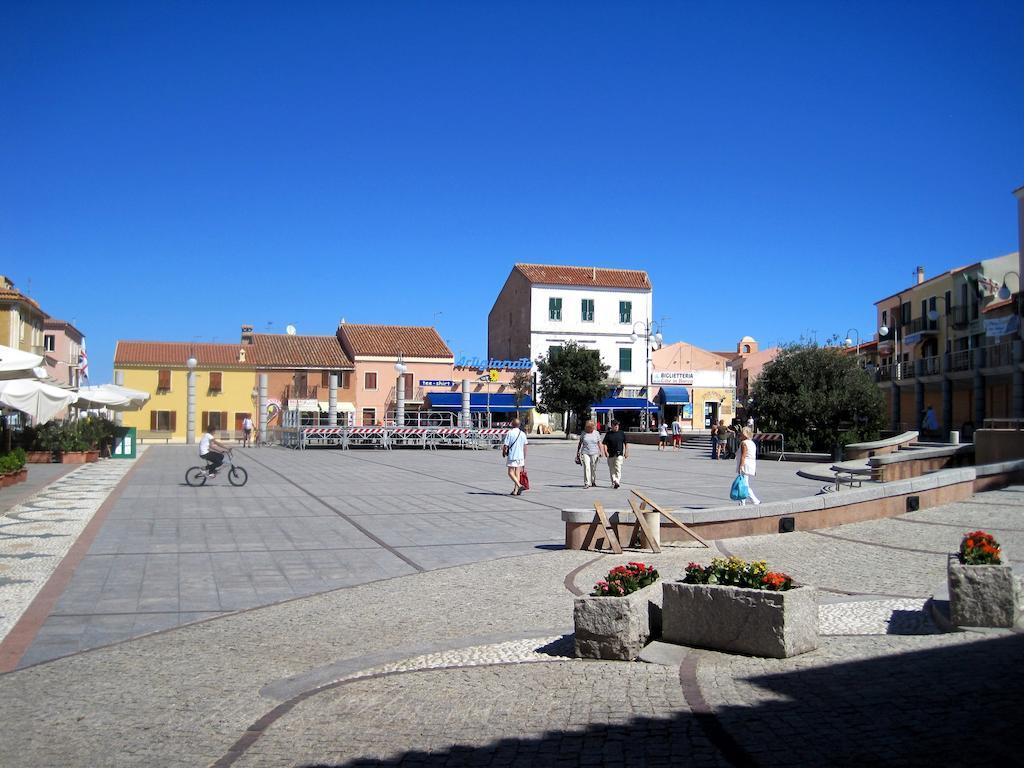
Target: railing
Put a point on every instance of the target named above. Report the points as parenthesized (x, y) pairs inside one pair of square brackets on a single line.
[(885, 372), (962, 360), (918, 325), (929, 366), (999, 355), (301, 393), (959, 318)]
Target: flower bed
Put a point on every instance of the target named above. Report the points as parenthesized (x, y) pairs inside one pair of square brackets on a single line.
[(982, 590), (615, 621), (740, 607)]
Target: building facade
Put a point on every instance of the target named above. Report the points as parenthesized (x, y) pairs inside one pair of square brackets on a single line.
[(693, 383), (62, 348), (21, 320)]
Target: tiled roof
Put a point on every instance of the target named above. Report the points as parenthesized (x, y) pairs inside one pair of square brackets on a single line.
[(10, 294), (392, 340), (585, 276), (175, 353), (284, 351)]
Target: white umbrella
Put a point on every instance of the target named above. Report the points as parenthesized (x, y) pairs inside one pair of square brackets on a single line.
[(40, 401), (15, 364), (111, 397)]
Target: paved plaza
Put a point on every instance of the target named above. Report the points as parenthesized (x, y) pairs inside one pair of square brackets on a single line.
[(403, 610)]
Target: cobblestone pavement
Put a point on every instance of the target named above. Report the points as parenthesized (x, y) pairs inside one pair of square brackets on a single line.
[(465, 665), (315, 520)]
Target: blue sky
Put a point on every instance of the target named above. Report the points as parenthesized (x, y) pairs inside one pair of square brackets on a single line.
[(174, 170)]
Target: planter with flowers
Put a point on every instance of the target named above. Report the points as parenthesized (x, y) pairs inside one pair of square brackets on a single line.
[(615, 621), (740, 607), (982, 589)]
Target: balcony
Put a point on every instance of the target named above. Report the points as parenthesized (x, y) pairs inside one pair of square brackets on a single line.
[(929, 366), (919, 325), (959, 317), (962, 360), (998, 355)]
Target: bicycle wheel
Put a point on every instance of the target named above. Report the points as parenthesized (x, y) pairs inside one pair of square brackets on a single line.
[(237, 476), (195, 476)]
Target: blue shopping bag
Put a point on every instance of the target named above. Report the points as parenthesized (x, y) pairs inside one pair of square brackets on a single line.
[(740, 488)]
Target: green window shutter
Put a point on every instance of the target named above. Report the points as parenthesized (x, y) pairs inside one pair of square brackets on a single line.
[(625, 359), (625, 311)]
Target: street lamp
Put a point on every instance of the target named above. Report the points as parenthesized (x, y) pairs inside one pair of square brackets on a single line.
[(634, 336), (190, 435), (849, 341), (400, 369), (1004, 292)]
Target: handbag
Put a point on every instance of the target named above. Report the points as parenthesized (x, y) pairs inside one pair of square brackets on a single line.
[(579, 447), (524, 479), (740, 488)]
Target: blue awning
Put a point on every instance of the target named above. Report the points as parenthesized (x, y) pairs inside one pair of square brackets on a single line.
[(478, 402), (624, 404), (674, 395)]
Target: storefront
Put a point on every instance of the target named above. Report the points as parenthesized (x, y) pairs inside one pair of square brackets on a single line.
[(675, 402), (631, 412), (485, 409)]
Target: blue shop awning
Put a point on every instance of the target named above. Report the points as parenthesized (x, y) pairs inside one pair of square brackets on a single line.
[(478, 402), (624, 404), (674, 395)]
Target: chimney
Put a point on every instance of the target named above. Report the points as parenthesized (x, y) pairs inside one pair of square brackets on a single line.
[(920, 275), (247, 334), (593, 277)]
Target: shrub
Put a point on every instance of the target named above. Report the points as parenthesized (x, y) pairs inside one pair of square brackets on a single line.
[(624, 579), (980, 548), (734, 572)]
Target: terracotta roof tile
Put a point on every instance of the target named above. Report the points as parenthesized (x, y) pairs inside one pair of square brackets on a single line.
[(10, 294), (392, 340), (175, 353), (284, 351), (585, 276)]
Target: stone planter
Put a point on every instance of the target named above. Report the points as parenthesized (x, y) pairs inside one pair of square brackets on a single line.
[(757, 622), (73, 457), (981, 595), (39, 457), (21, 475), (6, 480), (92, 456), (617, 627)]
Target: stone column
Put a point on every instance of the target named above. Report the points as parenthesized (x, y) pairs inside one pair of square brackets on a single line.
[(332, 401), (918, 401), (190, 433), (947, 405), (400, 401), (895, 406), (1017, 401), (979, 399), (262, 403), (466, 419)]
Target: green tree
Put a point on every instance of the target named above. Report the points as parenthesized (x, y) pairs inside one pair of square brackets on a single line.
[(521, 385), (571, 381), (818, 397)]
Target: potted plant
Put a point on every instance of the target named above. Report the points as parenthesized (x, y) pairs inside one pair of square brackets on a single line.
[(73, 445), (982, 589), (40, 443), (615, 620), (741, 607), (20, 473)]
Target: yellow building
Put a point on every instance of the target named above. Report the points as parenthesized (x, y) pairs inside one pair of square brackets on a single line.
[(225, 384), (21, 320)]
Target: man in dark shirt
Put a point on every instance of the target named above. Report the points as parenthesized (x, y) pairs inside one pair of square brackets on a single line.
[(616, 449)]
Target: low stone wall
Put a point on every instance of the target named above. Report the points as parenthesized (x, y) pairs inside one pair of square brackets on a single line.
[(870, 502), (921, 461), (995, 445), (879, 447)]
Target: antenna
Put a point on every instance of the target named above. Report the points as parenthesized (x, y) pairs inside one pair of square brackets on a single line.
[(290, 329)]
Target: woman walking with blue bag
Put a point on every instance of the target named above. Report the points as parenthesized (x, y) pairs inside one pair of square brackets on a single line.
[(746, 466)]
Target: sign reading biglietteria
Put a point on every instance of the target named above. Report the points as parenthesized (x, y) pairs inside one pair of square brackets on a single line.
[(483, 364), (672, 377)]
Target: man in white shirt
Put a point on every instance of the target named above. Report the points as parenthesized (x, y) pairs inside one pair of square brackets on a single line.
[(212, 449)]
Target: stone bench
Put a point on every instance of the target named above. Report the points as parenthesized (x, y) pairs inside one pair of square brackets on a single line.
[(154, 435), (880, 447), (920, 461)]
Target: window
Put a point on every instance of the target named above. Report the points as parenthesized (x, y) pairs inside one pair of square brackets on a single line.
[(949, 302), (163, 383), (933, 307), (325, 379), (369, 380), (553, 352), (369, 417), (746, 349), (905, 313), (215, 421), (49, 342), (344, 382), (625, 311), (555, 309), (625, 359), (885, 317), (587, 310), (163, 421), (215, 381), (408, 377)]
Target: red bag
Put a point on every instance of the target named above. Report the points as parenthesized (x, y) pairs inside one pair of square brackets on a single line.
[(524, 479)]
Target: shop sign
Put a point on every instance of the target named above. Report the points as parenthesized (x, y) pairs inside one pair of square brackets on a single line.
[(436, 383), (1001, 326), (913, 338), (483, 364), (688, 411), (672, 377)]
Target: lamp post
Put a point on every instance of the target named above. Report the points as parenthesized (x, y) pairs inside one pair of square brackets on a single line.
[(400, 369), (634, 336), (190, 434), (849, 341), (1004, 292)]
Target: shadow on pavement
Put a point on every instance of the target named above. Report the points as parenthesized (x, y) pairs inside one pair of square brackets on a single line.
[(955, 705)]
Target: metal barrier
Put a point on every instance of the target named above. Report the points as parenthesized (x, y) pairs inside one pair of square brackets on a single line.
[(427, 438), (773, 442)]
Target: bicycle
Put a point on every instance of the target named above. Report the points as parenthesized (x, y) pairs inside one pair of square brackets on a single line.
[(197, 476)]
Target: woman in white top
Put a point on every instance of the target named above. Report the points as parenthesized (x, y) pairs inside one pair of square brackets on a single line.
[(515, 455), (588, 452), (746, 461)]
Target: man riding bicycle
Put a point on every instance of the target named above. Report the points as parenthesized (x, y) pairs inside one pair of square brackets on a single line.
[(212, 449)]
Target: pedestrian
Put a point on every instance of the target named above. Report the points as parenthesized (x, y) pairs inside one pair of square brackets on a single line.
[(677, 432), (617, 451), (662, 436), (514, 451), (929, 423), (246, 430), (714, 441), (746, 462), (588, 452)]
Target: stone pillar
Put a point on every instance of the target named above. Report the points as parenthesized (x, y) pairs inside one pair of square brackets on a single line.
[(263, 408), (119, 380), (979, 399), (1017, 393), (895, 406), (400, 401), (332, 401), (947, 405), (918, 401), (467, 419), (190, 433)]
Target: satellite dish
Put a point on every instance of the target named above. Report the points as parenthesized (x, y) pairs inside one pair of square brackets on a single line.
[(290, 329)]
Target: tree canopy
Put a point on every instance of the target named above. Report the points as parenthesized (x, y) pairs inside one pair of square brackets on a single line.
[(571, 380), (818, 398)]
